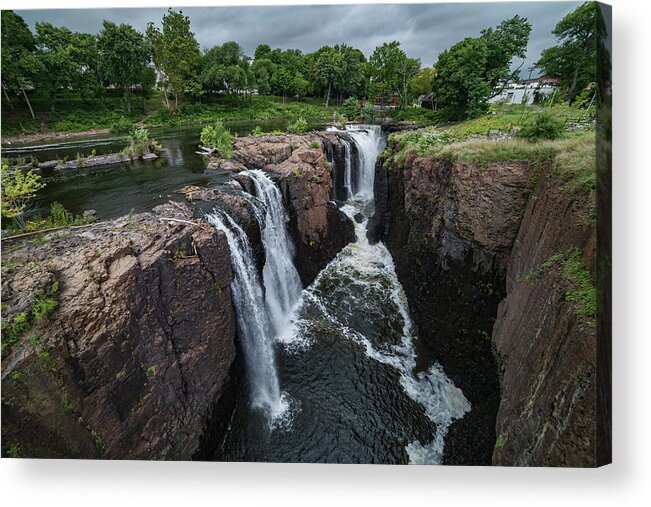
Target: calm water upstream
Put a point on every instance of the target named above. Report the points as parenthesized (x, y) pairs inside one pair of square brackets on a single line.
[(113, 191)]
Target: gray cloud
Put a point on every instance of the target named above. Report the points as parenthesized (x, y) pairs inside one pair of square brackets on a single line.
[(424, 30)]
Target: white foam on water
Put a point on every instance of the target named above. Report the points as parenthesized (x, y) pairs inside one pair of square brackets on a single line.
[(373, 265)]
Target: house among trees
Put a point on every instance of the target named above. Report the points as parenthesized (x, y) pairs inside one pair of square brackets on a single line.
[(526, 91), (380, 102)]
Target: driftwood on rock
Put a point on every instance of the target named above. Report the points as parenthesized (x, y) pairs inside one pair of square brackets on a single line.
[(208, 152)]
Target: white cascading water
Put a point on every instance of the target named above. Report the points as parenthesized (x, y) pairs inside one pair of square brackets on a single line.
[(348, 170), (372, 266), (281, 281), (369, 142), (255, 326)]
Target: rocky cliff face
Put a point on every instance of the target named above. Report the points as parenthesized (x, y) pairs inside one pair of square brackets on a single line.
[(130, 339), (544, 333), (304, 176), (470, 244)]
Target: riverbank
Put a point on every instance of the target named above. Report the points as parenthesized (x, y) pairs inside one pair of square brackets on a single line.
[(74, 118)]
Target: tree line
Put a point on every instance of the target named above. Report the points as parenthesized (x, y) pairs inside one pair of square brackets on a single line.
[(54, 62)]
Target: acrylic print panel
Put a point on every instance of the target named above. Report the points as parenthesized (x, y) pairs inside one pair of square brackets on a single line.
[(283, 245)]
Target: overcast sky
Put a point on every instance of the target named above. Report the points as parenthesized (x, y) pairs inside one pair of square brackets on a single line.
[(424, 30)]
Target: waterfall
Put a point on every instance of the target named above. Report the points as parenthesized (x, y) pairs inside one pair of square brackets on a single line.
[(348, 170), (281, 281), (370, 285), (369, 142), (254, 324)]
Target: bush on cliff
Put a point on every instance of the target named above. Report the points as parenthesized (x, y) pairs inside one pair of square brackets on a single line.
[(218, 137), (543, 127)]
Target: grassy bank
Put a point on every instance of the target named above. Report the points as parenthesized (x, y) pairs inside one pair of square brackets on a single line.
[(573, 154), (77, 115)]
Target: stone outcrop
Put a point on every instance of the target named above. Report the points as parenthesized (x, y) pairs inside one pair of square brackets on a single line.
[(304, 175), (130, 340), (472, 246)]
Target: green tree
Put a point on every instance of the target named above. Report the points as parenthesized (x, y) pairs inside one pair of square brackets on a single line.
[(300, 85), (226, 68), (263, 51), (56, 68), (391, 71), (263, 70), (354, 79), (282, 81), (573, 61), (328, 69), (421, 83), (18, 191), (91, 77), (470, 72), (19, 65), (175, 52), (125, 54)]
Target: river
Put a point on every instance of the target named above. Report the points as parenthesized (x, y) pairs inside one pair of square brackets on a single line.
[(339, 381), (330, 370)]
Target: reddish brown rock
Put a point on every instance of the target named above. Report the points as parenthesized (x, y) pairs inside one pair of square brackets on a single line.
[(132, 361), (482, 253), (546, 348), (319, 229)]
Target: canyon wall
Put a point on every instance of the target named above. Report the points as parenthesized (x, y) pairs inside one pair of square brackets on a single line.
[(483, 251)]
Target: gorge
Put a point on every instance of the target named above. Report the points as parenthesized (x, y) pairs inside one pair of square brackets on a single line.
[(320, 308)]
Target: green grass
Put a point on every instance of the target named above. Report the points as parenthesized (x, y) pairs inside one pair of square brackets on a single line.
[(577, 167), (503, 119), (76, 115), (574, 155), (584, 292)]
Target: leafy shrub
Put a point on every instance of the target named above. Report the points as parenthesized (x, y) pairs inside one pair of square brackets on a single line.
[(14, 329), (219, 137), (430, 138), (18, 191), (121, 126), (59, 217), (314, 145), (418, 114), (544, 126), (297, 127), (44, 306), (257, 131), (139, 135), (350, 108), (368, 112)]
